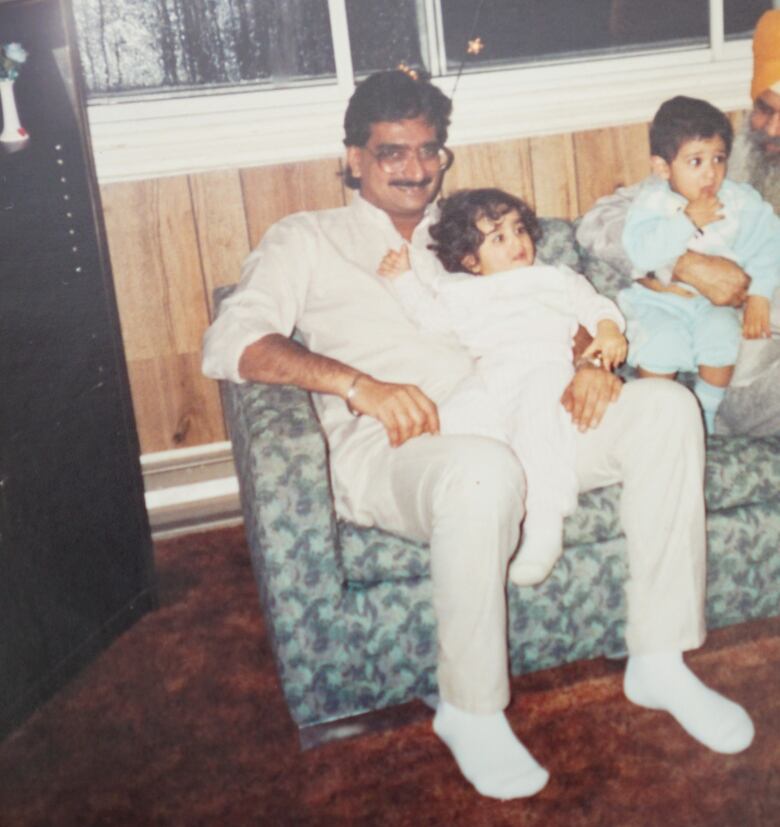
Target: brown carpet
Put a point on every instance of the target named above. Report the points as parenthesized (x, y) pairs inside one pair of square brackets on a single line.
[(181, 722)]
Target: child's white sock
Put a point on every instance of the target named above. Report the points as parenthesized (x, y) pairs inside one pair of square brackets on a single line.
[(710, 397), (663, 681), (540, 548), (488, 753)]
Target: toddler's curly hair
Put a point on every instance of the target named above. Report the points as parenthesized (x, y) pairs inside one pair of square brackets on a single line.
[(456, 235)]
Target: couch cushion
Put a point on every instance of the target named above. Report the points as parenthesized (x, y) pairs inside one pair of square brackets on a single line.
[(370, 555), (742, 470), (607, 280)]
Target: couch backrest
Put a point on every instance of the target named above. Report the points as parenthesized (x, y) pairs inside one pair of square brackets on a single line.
[(558, 244)]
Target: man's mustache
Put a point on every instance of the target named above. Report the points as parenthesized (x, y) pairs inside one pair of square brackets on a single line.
[(422, 183), (764, 140)]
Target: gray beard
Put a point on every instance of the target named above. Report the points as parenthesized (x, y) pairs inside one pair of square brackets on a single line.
[(749, 162)]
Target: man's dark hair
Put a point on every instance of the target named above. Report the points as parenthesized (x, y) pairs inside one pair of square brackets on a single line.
[(393, 96), (456, 234), (682, 119)]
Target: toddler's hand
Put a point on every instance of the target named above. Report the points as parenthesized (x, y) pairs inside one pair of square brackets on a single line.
[(394, 263), (755, 324), (609, 343), (704, 210)]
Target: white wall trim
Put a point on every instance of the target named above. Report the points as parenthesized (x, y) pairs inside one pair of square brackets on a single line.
[(149, 137), (189, 489), (177, 458)]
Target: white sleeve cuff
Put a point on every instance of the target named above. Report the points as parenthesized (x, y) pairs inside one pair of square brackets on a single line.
[(223, 348)]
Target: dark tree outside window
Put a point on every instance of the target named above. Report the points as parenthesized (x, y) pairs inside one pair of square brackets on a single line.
[(127, 45), (382, 35), (141, 46)]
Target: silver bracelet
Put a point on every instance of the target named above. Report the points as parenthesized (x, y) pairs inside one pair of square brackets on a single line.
[(589, 361), (351, 394)]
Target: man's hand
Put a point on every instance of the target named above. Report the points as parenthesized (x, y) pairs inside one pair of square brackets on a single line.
[(609, 343), (588, 394), (755, 324), (718, 279), (404, 410)]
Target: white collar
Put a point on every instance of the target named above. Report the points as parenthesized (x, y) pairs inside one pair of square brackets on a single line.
[(366, 210)]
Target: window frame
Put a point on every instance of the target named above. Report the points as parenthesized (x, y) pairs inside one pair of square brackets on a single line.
[(153, 135)]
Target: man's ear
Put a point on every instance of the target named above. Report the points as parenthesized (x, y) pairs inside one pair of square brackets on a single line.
[(354, 158), (659, 167), (471, 263)]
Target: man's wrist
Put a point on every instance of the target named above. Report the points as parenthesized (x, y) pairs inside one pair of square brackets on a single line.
[(588, 362), (351, 394)]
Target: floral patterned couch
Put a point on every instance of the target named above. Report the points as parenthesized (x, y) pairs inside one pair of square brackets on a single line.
[(348, 609)]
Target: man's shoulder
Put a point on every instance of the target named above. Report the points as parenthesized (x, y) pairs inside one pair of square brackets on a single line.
[(305, 225), (311, 218)]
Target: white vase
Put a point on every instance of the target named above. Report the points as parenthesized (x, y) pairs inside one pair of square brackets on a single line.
[(13, 132)]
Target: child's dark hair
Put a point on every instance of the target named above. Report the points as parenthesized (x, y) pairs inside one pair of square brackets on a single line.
[(456, 234), (682, 119)]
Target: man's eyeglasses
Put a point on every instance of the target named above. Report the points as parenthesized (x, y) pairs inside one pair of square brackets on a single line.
[(393, 158)]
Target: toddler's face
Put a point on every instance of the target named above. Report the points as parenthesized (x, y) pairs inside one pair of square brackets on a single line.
[(698, 169), (507, 245)]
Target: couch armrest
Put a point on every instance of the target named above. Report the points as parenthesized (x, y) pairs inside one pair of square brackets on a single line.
[(282, 466), (281, 462)]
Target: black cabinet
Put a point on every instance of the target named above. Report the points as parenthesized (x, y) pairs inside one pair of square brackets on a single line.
[(75, 549)]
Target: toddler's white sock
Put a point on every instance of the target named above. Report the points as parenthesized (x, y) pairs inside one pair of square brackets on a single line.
[(663, 681), (488, 753), (540, 548)]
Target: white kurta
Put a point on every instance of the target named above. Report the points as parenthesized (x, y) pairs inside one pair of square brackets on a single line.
[(316, 271)]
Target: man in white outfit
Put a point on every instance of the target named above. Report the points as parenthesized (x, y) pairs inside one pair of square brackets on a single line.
[(377, 380)]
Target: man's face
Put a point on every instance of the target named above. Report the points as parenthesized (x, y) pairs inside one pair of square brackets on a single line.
[(765, 122), (697, 170), (401, 188)]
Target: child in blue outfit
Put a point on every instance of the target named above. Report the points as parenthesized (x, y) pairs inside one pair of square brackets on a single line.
[(688, 205)]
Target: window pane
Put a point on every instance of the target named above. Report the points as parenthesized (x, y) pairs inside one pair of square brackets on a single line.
[(129, 45), (528, 30), (382, 35), (740, 16)]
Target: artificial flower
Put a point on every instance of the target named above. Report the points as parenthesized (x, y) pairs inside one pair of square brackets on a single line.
[(12, 56)]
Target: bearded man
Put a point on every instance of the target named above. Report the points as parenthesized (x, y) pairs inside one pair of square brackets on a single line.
[(752, 401), (755, 156)]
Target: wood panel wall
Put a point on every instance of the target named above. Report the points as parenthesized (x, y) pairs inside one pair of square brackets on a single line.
[(172, 240)]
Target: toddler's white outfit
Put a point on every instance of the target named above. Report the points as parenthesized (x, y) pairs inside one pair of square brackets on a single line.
[(518, 326)]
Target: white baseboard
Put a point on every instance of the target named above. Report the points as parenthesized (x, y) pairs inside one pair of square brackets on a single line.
[(191, 489)]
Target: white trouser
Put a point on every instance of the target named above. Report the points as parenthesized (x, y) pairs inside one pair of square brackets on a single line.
[(522, 408), (465, 494)]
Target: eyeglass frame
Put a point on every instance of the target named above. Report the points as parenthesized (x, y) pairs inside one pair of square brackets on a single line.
[(397, 166)]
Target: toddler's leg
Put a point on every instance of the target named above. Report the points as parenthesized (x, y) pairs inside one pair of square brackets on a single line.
[(710, 388), (717, 334), (540, 547)]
